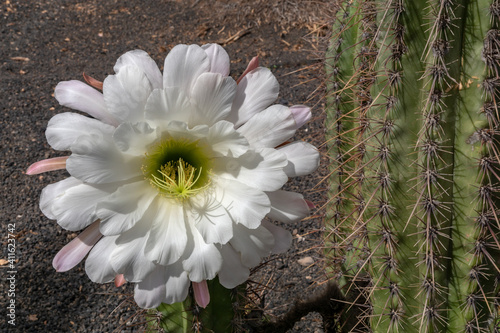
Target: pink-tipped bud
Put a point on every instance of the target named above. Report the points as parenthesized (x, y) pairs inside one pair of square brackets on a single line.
[(93, 82), (74, 252), (50, 164), (201, 293), (253, 64), (310, 204), (119, 280)]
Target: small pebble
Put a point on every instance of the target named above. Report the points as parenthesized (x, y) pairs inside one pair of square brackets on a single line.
[(306, 261)]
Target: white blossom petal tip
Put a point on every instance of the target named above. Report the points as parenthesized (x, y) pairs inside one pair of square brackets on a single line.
[(301, 114), (303, 158), (179, 170), (79, 96), (219, 59)]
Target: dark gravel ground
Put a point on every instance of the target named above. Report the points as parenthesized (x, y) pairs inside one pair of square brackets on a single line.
[(46, 41)]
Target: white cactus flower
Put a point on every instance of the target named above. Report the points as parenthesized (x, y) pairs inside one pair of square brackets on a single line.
[(172, 176)]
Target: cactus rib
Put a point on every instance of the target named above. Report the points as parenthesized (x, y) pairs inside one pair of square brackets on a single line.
[(412, 122)]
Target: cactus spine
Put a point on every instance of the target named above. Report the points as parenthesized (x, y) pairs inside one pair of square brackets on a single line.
[(412, 125)]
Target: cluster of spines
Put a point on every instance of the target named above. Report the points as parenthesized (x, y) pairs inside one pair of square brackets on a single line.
[(337, 89), (385, 274), (485, 268), (364, 236), (383, 266), (369, 155), (343, 249), (431, 213)]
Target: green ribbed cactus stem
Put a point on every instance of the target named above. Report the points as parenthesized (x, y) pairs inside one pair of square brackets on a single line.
[(413, 222), (221, 314)]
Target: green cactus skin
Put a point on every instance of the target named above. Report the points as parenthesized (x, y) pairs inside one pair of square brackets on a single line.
[(220, 314), (413, 227)]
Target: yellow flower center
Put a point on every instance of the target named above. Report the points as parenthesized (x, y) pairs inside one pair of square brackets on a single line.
[(178, 180), (178, 169)]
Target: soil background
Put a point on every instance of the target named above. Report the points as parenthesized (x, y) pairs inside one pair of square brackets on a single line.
[(43, 42)]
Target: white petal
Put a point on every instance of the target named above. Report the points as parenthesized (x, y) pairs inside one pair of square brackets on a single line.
[(183, 65), (97, 265), (225, 140), (177, 286), (253, 244), (121, 210), (205, 260), (74, 252), (303, 158), (256, 91), (126, 93), (65, 128), (180, 130), (260, 168), (287, 206), (168, 237), (151, 292), (213, 95), (134, 139), (219, 59), (74, 205), (270, 127), (97, 160), (141, 59), (164, 285), (165, 105), (211, 219), (282, 237), (248, 209), (233, 272), (79, 96), (51, 192), (128, 258)]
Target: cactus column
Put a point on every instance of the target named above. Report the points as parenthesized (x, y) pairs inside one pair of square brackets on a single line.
[(413, 226)]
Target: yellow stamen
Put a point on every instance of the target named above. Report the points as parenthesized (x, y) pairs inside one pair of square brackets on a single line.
[(179, 179)]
